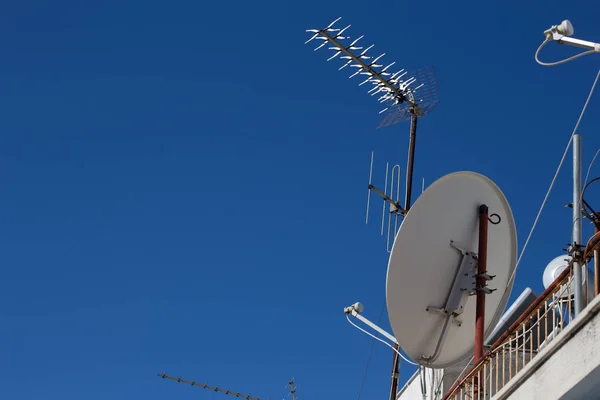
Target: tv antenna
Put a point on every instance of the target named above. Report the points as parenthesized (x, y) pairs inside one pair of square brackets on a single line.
[(404, 96), (213, 388), (292, 387)]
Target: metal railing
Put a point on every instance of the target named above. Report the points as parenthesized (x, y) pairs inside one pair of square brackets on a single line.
[(534, 330)]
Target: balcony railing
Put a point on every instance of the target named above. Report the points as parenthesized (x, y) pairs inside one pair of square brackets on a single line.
[(538, 326)]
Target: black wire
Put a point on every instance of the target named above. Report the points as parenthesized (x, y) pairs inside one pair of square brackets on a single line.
[(362, 384), (587, 214), (586, 207)]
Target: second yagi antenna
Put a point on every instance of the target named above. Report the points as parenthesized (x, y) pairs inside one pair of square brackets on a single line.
[(391, 209)]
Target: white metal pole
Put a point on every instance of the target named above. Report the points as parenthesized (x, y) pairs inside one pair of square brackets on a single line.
[(375, 327), (577, 272)]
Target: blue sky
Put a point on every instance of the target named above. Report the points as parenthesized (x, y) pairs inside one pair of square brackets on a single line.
[(184, 184)]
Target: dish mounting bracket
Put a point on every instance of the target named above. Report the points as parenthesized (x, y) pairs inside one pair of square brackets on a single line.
[(464, 285)]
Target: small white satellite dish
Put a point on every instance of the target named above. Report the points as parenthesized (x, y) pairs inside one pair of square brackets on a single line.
[(425, 289), (554, 269), (557, 266)]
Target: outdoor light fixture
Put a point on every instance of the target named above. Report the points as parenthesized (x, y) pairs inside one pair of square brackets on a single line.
[(561, 35)]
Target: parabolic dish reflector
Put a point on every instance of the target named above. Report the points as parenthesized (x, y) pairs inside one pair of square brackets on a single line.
[(423, 265)]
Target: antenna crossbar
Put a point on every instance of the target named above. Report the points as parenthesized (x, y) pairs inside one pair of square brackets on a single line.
[(385, 197), (206, 386)]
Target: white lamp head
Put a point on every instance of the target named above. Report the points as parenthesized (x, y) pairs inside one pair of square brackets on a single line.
[(358, 307), (565, 28), (557, 31)]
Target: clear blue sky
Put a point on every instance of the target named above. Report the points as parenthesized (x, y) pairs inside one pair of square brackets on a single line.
[(184, 184)]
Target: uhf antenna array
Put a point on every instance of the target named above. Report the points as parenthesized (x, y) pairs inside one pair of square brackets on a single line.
[(395, 89), (403, 95), (215, 388)]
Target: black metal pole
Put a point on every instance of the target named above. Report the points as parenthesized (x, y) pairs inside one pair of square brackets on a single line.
[(411, 158), (395, 373), (409, 179)]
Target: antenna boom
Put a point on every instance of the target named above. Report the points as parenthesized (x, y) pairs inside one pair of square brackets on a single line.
[(205, 386)]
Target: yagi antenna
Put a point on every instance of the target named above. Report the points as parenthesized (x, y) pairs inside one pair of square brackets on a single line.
[(213, 388), (292, 387), (401, 93), (391, 201)]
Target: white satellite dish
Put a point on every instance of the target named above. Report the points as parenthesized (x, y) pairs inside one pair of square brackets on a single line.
[(554, 269), (423, 266), (557, 266)]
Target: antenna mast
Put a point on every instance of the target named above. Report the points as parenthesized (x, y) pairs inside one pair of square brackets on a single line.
[(205, 386), (576, 246), (292, 389), (398, 94)]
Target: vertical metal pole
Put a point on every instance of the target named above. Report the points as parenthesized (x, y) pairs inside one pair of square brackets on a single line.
[(577, 272), (409, 179), (411, 158), (481, 283), (395, 373)]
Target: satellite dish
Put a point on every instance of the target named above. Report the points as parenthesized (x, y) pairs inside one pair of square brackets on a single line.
[(558, 265), (554, 268), (425, 261)]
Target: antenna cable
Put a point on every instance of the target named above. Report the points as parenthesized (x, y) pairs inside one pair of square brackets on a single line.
[(552, 183), (566, 60)]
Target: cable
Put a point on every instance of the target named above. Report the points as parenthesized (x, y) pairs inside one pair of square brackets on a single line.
[(364, 379), (382, 341), (581, 203), (585, 182), (591, 213), (584, 203), (460, 376), (552, 183), (566, 60), (587, 175), (423, 380)]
